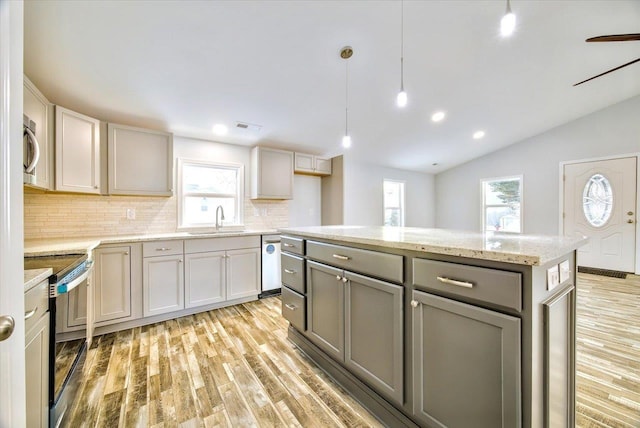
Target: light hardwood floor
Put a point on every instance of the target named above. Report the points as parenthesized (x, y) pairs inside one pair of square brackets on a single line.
[(235, 367)]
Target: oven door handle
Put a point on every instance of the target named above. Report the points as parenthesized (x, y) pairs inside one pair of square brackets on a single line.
[(65, 288)]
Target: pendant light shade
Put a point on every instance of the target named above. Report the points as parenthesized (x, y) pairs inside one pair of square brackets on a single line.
[(346, 53), (401, 99), (508, 22)]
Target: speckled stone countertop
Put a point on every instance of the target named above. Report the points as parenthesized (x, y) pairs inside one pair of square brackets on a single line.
[(532, 250), (50, 247), (33, 277)]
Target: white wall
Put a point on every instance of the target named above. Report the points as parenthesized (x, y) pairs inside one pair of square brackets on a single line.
[(305, 208), (363, 194), (612, 131)]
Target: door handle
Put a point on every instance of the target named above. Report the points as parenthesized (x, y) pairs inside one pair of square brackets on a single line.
[(7, 325)]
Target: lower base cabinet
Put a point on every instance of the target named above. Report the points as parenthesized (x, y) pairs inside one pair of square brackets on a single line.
[(466, 365), (243, 273), (162, 284), (205, 279), (37, 373)]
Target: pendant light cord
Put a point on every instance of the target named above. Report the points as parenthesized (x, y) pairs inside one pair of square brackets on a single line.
[(346, 99), (401, 45)]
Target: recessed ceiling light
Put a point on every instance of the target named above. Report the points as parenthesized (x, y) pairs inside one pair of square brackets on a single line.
[(220, 129), (438, 116), (478, 134)]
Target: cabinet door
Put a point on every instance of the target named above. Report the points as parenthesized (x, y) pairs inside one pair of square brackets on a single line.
[(76, 307), (374, 334), (325, 308), (112, 285), (243, 273), (38, 109), (162, 285), (204, 277), (271, 174), (77, 152), (323, 166), (304, 162), (466, 365), (140, 161), (37, 373)]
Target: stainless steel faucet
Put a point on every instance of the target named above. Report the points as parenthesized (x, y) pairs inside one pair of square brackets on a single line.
[(221, 210)]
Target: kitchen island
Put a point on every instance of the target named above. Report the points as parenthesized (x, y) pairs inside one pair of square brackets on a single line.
[(438, 328)]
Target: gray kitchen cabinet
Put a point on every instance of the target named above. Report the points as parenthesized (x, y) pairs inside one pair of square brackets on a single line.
[(271, 173), (325, 308), (162, 284), (112, 283), (77, 152), (38, 109), (243, 267), (374, 333), (37, 355), (205, 279), (312, 165), (72, 309), (140, 161), (466, 365)]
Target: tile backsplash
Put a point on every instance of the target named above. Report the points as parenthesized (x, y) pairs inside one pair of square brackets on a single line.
[(60, 215)]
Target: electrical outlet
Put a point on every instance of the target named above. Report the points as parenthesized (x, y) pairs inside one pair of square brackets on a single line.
[(553, 277), (131, 213)]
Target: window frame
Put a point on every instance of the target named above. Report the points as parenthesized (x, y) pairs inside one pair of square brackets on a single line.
[(403, 199), (484, 206), (239, 168)]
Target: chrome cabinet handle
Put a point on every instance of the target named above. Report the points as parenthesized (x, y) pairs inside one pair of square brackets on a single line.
[(414, 303), (630, 221), (454, 282), (126, 253), (338, 277), (31, 313), (286, 244), (290, 306), (163, 249), (289, 271), (344, 279), (629, 212), (341, 257)]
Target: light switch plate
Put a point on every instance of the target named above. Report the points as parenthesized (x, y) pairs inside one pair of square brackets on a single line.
[(565, 271), (553, 277)]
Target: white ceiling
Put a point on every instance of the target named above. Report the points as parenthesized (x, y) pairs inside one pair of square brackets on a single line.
[(183, 66)]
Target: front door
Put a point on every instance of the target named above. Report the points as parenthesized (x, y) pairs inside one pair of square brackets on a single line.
[(600, 202)]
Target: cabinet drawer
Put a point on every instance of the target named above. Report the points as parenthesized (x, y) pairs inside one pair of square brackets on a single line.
[(292, 273), (206, 245), (293, 308), (36, 303), (293, 245), (481, 284), (374, 263), (162, 248)]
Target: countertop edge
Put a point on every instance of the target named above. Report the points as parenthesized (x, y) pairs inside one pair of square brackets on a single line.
[(33, 277)]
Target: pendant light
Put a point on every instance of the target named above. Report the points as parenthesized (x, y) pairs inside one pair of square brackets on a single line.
[(345, 54), (508, 22), (401, 99)]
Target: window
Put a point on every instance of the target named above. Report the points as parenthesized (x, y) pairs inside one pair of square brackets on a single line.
[(393, 193), (501, 204), (202, 187), (597, 200)]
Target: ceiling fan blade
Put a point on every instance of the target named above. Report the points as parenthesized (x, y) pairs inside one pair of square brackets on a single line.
[(608, 71), (615, 38)]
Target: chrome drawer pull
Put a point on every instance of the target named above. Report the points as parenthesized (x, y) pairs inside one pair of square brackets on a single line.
[(289, 271), (163, 249), (454, 282), (341, 257), (31, 313), (290, 306), (286, 244)]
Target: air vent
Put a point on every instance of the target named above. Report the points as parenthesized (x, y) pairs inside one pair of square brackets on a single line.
[(248, 126)]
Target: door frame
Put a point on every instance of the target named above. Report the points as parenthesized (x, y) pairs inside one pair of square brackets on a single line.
[(597, 159), (12, 357)]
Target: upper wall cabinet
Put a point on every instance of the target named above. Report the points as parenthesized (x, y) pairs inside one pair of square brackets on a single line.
[(313, 165), (38, 109), (77, 152), (140, 161), (271, 174)]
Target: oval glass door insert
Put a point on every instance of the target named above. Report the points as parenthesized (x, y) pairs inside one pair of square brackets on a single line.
[(597, 200)]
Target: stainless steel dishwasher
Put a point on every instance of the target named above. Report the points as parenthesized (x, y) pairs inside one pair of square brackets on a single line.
[(271, 284)]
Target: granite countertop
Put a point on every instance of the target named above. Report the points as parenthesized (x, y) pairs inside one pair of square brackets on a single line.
[(33, 277), (57, 246), (533, 250)]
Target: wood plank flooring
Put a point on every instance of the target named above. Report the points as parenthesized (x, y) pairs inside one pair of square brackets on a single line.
[(234, 367)]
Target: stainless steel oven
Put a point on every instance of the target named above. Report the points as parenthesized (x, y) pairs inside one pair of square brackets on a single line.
[(67, 353)]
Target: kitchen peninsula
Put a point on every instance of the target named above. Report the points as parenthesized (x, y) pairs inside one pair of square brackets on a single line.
[(438, 328)]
